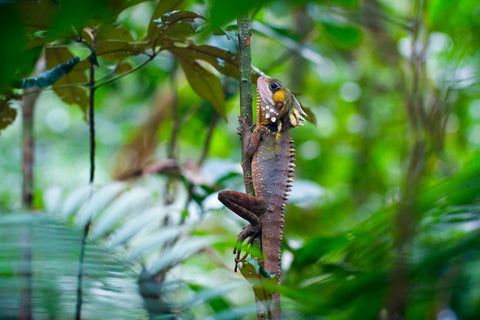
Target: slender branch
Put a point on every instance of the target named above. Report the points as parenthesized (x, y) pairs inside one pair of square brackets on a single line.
[(126, 73), (28, 149), (172, 147), (245, 62), (92, 123), (86, 229), (25, 309)]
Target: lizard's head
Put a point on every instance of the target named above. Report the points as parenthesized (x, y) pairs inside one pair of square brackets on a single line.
[(277, 103)]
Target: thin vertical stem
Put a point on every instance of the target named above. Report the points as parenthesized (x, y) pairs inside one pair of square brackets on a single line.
[(78, 314), (28, 148), (245, 62)]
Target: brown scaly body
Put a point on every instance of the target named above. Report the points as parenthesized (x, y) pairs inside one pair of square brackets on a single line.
[(272, 174), (271, 150)]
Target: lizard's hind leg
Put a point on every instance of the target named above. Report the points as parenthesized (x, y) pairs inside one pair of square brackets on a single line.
[(250, 209)]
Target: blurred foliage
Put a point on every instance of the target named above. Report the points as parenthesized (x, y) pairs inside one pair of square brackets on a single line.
[(383, 219)]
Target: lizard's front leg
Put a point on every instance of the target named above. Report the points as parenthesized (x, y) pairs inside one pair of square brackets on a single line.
[(247, 207), (250, 139)]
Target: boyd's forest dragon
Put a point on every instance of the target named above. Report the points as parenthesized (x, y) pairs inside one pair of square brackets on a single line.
[(270, 149)]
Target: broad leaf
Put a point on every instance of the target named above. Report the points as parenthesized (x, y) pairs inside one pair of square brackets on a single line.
[(7, 114), (203, 82), (72, 94), (163, 6), (38, 14), (109, 32), (110, 286), (224, 61), (119, 49)]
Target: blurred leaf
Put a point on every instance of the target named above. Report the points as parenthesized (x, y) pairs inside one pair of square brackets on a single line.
[(345, 37), (110, 285), (134, 226), (155, 241), (203, 82), (311, 252), (207, 294), (7, 114), (12, 54), (117, 49), (263, 283), (72, 94), (310, 115), (175, 25), (176, 16), (123, 67), (110, 32), (74, 16), (180, 251), (224, 61), (75, 200), (462, 188), (47, 78), (232, 36), (127, 202), (289, 42), (98, 202), (163, 6), (38, 15), (223, 12)]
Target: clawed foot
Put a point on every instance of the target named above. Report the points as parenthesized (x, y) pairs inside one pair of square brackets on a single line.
[(249, 233), (245, 128)]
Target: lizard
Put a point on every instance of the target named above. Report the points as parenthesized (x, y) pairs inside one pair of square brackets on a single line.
[(271, 151)]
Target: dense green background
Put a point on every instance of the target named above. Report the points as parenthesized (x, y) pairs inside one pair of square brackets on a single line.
[(384, 213)]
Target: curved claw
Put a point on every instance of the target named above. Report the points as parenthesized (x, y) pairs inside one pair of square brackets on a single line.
[(244, 127), (238, 247)]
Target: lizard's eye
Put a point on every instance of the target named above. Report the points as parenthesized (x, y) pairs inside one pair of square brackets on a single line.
[(274, 86)]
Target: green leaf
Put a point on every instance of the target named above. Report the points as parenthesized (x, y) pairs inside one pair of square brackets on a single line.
[(232, 36), (118, 49), (203, 82), (98, 202), (175, 25), (38, 14), (224, 61), (127, 202), (208, 294), (163, 6), (222, 12), (72, 94), (110, 286), (110, 32), (182, 250), (74, 201), (134, 226), (123, 67), (263, 283), (178, 16), (155, 241), (345, 37)]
